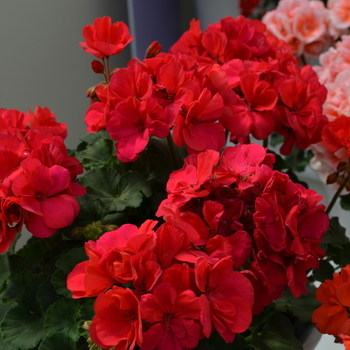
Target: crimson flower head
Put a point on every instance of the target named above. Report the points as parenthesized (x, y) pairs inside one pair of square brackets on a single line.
[(104, 39), (118, 321), (332, 316), (336, 134)]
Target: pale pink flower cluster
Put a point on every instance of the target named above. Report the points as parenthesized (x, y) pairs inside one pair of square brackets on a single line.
[(308, 27), (334, 72)]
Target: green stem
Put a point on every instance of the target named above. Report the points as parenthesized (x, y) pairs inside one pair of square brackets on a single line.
[(266, 142), (173, 152), (303, 60), (50, 243), (106, 72), (337, 194)]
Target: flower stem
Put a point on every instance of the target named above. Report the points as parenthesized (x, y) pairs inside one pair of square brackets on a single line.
[(337, 194), (173, 152), (302, 60), (106, 72), (266, 142), (50, 243)]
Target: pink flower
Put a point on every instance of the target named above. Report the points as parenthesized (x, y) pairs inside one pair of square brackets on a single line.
[(339, 13)]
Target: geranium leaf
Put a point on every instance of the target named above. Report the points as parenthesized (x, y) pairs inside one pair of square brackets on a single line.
[(59, 281), (14, 289), (4, 269), (46, 294), (65, 265), (86, 311), (325, 271), (58, 341), (278, 333), (115, 192), (92, 138), (301, 307), (68, 261), (34, 251), (29, 297), (96, 154), (22, 329), (62, 317)]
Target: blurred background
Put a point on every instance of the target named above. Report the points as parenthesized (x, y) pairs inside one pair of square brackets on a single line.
[(42, 63)]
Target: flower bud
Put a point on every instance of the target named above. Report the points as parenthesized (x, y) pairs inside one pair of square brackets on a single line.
[(97, 67), (153, 50)]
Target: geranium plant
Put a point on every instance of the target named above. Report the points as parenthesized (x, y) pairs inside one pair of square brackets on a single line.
[(173, 225)]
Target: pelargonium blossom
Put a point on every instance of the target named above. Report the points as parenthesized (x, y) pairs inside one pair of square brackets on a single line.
[(104, 39)]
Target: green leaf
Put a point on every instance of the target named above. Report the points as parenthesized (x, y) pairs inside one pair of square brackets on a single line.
[(115, 192), (13, 290), (324, 272), (96, 154), (62, 317), (3, 309), (302, 307), (345, 202), (46, 294), (59, 281), (278, 333), (22, 329), (90, 211), (29, 297), (299, 159), (217, 342), (58, 341), (91, 138), (86, 311), (69, 260), (34, 251), (148, 166), (4, 269), (65, 265)]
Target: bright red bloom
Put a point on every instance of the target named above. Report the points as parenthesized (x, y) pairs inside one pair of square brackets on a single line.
[(334, 294), (117, 322), (336, 134), (300, 120), (11, 120), (40, 189), (104, 39), (199, 128), (44, 120), (227, 298), (253, 112), (114, 258), (173, 319), (132, 123)]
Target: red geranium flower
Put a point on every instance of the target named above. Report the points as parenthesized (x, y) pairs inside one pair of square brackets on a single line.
[(117, 322), (227, 299), (173, 318), (336, 134), (104, 39), (335, 296)]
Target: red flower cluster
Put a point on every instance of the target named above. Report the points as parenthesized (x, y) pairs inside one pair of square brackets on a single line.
[(333, 316), (231, 77), (244, 209), (37, 177), (167, 288), (270, 92)]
